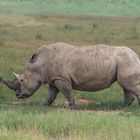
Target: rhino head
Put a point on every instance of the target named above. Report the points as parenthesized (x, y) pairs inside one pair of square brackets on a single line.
[(28, 84), (23, 84)]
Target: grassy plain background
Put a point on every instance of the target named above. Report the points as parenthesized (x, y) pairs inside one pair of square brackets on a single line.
[(24, 26)]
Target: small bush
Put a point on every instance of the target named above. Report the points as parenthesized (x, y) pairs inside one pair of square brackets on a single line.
[(134, 34), (4, 32), (94, 25), (1, 44), (39, 37), (69, 27)]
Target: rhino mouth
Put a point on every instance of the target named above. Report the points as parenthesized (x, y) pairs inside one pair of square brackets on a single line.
[(23, 96)]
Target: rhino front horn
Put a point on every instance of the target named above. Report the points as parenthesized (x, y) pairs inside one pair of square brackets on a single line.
[(12, 84)]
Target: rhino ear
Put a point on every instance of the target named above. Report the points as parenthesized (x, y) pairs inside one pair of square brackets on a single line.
[(33, 58), (16, 75)]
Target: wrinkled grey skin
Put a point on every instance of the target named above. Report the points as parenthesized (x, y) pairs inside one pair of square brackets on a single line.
[(67, 68)]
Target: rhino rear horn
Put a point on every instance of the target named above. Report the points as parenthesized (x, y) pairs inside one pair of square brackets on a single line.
[(16, 75)]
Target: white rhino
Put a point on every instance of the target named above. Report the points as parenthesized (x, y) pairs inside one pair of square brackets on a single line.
[(67, 68)]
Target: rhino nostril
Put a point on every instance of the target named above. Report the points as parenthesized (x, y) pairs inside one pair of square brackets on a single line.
[(17, 94)]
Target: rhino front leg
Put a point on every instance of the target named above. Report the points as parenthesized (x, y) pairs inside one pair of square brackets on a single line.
[(52, 93), (128, 98), (136, 91), (66, 89)]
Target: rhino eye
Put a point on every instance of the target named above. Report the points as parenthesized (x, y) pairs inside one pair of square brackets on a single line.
[(21, 80)]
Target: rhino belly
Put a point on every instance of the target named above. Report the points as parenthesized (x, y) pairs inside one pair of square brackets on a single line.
[(94, 85), (94, 81)]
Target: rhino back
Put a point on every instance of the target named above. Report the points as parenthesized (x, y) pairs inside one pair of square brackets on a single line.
[(87, 68), (93, 67)]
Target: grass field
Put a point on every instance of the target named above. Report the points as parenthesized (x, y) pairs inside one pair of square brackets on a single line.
[(24, 26), (78, 7)]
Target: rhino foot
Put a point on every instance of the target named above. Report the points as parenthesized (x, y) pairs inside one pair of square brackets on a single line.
[(46, 104), (73, 107)]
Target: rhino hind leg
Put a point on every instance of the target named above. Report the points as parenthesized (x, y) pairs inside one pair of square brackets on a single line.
[(128, 98), (66, 89), (131, 83), (52, 93), (136, 92)]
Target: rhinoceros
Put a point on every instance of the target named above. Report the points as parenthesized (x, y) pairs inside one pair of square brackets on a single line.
[(66, 68)]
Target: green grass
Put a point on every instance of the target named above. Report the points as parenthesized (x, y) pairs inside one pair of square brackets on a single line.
[(26, 25), (65, 124), (80, 7)]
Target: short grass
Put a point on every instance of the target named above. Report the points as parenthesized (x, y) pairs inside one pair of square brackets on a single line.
[(24, 26)]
